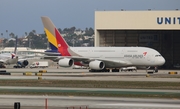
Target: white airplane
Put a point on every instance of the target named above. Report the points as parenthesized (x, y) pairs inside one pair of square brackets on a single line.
[(12, 58), (102, 58), (8, 58)]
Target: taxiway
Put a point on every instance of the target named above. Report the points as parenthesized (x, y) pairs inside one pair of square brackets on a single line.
[(83, 74)]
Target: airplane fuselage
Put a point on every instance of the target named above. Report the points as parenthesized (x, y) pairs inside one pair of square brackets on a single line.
[(138, 56), (7, 59), (11, 61)]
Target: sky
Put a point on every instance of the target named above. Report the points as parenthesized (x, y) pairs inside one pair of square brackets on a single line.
[(20, 16)]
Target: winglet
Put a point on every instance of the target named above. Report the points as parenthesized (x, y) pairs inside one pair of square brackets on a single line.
[(15, 49)]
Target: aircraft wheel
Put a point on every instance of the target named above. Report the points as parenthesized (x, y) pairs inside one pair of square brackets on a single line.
[(115, 70), (91, 70), (156, 69)]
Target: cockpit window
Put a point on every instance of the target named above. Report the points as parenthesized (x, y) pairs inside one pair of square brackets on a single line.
[(157, 55)]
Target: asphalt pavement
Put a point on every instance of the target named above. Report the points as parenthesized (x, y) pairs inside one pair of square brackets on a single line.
[(68, 102)]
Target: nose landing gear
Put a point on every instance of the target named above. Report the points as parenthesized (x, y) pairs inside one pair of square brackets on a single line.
[(152, 70)]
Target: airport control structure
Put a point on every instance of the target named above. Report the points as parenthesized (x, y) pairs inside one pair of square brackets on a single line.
[(159, 30)]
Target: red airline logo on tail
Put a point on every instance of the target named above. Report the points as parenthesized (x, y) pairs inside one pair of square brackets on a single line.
[(12, 55), (62, 45)]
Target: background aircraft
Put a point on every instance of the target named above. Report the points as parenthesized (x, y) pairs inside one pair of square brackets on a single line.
[(8, 58), (102, 58), (13, 58)]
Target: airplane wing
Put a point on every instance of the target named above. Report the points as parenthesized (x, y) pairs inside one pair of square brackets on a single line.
[(108, 62), (75, 58), (46, 53)]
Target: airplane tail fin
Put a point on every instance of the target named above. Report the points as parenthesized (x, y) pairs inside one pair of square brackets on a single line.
[(49, 31), (15, 49), (54, 36)]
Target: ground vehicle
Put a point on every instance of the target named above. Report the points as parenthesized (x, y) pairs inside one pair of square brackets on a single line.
[(39, 64)]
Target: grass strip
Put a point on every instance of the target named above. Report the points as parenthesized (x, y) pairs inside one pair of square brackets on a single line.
[(134, 95), (93, 84)]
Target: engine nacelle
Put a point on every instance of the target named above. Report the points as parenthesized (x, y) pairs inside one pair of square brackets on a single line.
[(23, 62), (97, 65), (66, 62)]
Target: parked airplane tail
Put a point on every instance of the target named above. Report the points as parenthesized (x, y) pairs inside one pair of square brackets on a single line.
[(54, 36), (50, 35), (15, 49)]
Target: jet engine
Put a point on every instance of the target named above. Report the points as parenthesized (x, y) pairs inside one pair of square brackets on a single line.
[(66, 62), (23, 62), (97, 65)]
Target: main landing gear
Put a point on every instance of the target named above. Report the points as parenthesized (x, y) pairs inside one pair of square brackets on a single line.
[(104, 70), (152, 70)]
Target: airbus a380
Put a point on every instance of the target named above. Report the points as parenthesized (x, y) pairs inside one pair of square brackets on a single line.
[(101, 58)]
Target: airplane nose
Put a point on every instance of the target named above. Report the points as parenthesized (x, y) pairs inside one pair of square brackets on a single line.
[(162, 61)]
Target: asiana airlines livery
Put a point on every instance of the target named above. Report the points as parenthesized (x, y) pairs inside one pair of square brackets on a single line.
[(101, 58)]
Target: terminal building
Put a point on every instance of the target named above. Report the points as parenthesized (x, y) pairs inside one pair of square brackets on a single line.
[(159, 30), (22, 51)]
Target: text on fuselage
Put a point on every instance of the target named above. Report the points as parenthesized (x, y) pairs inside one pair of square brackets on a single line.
[(133, 56)]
